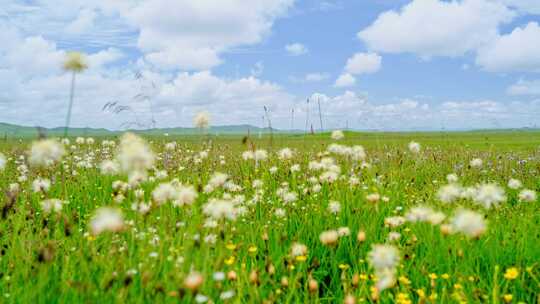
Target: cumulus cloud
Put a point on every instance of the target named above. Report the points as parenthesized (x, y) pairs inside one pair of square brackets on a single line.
[(525, 87), (518, 51), (363, 63), (345, 80), (436, 28), (310, 77), (296, 49)]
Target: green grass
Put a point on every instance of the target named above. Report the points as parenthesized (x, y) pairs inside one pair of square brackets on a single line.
[(52, 258)]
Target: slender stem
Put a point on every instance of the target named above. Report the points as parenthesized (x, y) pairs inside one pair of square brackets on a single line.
[(70, 106)]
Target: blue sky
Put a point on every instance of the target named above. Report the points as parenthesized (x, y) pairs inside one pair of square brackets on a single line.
[(380, 64)]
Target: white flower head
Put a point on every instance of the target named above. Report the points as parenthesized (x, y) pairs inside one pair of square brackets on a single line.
[(106, 219), (337, 135), (202, 120), (46, 152), (414, 147)]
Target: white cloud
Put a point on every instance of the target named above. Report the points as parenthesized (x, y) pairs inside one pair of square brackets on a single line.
[(316, 77), (83, 22), (524, 6), (518, 51), (436, 28), (296, 49), (104, 57), (345, 80), (525, 87), (169, 30), (363, 63)]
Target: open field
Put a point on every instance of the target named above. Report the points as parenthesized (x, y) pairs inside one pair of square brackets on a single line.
[(125, 219)]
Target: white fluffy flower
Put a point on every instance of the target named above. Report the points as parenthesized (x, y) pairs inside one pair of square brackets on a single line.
[(476, 163), (52, 205), (514, 184), (489, 194), (3, 161), (334, 207), (298, 249), (41, 185), (106, 219), (186, 195), (285, 153), (452, 178), (45, 153), (449, 193), (329, 237), (383, 257), (220, 209), (414, 147), (109, 167), (164, 192), (469, 223), (201, 120), (527, 195), (134, 154), (337, 135), (261, 155)]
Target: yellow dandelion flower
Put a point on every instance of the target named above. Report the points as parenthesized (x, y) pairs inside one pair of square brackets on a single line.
[(230, 260), (343, 266), (507, 298), (252, 249), (363, 277), (404, 280), (421, 293), (445, 276), (433, 276), (230, 246), (301, 258), (511, 273)]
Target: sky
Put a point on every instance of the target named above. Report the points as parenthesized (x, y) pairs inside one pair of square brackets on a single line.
[(368, 64)]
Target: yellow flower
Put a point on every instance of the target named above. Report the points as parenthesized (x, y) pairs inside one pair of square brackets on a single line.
[(252, 249), (421, 293), (75, 62), (230, 246), (457, 286), (433, 276), (507, 298), (343, 266), (301, 258), (511, 273), (363, 277), (230, 260), (433, 296), (404, 280), (445, 276), (471, 278)]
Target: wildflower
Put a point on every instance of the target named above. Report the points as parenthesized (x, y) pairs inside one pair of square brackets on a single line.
[(52, 205), (373, 198), (514, 184), (298, 249), (337, 135), (106, 219), (217, 180), (202, 120), (414, 147), (109, 167), (226, 295), (452, 178), (164, 192), (469, 223), (329, 237), (394, 221), (220, 209), (334, 207), (285, 154), (527, 195), (489, 194), (511, 273), (361, 236), (3, 161), (261, 155), (134, 154), (383, 257), (449, 193), (344, 231), (193, 281), (45, 153), (476, 163), (41, 185), (185, 195)]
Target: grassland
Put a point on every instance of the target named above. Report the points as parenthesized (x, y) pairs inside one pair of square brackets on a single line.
[(181, 254)]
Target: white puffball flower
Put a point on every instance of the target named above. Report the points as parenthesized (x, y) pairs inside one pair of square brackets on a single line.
[(489, 195), (414, 147), (514, 184), (202, 120), (337, 135), (468, 222), (106, 219), (46, 152), (476, 163), (527, 195)]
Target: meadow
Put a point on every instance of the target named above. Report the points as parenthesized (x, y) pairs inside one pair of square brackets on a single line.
[(441, 217)]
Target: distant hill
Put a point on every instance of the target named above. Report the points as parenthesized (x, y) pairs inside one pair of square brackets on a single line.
[(11, 130)]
